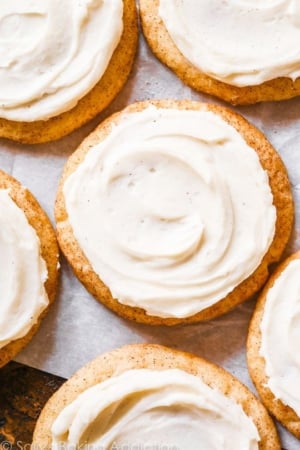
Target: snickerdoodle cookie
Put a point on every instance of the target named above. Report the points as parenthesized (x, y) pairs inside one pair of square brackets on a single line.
[(242, 52), (171, 212), (273, 344), (28, 266), (149, 396), (62, 62)]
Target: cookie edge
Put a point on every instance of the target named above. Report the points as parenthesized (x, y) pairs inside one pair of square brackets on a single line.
[(256, 363), (38, 219), (154, 356)]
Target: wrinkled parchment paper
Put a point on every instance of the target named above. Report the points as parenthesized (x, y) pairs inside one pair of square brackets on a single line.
[(78, 328)]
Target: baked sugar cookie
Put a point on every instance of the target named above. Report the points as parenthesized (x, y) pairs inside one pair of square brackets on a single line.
[(155, 397), (273, 345), (28, 266), (171, 212), (62, 62), (209, 45)]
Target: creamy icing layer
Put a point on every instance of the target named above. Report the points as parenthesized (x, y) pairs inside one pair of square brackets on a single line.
[(239, 42), (22, 275), (153, 409), (280, 328), (172, 209), (53, 52)]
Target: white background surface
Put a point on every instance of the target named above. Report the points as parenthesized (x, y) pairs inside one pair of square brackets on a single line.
[(78, 328)]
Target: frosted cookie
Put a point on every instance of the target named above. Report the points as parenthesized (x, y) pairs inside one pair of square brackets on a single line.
[(171, 212), (62, 62), (155, 397), (207, 43), (28, 266), (273, 344)]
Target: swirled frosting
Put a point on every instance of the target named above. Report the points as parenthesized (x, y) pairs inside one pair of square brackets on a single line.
[(53, 52), (153, 409), (214, 36), (280, 336), (22, 275), (172, 209)]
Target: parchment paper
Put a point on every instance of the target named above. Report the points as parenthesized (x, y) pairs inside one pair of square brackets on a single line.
[(78, 328)]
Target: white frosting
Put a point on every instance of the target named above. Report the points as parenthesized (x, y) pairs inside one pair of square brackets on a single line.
[(280, 328), (22, 275), (172, 209), (53, 52), (239, 42), (153, 409)]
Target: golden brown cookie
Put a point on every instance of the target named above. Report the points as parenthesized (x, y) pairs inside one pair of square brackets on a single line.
[(154, 357), (93, 102), (256, 362), (49, 252), (164, 48), (282, 199)]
